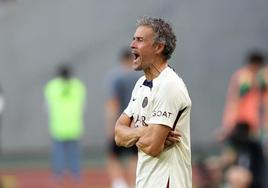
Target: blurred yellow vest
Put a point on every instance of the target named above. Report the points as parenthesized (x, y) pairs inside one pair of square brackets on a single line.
[(65, 99)]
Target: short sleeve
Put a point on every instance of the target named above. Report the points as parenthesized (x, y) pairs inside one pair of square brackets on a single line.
[(167, 104), (129, 110)]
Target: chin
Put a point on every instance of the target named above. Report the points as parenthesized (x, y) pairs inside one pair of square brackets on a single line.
[(136, 67)]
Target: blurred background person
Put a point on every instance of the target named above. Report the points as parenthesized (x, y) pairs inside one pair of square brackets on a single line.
[(243, 101), (238, 177), (65, 96), (121, 81), (247, 154), (243, 119), (263, 79)]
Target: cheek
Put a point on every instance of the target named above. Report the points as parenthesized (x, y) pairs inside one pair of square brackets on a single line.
[(144, 50), (147, 49), (146, 54)]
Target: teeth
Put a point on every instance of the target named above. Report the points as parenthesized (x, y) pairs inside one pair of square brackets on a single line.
[(135, 55)]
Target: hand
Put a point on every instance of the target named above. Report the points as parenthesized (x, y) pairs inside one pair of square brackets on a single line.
[(173, 136)]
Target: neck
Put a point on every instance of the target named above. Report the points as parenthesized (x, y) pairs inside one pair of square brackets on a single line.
[(155, 69)]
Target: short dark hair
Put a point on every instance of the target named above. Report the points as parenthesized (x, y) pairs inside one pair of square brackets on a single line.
[(163, 33), (256, 57), (65, 71)]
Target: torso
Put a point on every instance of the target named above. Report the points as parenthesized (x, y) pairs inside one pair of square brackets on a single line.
[(161, 104)]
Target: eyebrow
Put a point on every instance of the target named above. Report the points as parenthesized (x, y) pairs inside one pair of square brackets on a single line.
[(138, 38)]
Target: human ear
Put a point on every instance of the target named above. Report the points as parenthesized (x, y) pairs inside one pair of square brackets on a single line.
[(159, 48)]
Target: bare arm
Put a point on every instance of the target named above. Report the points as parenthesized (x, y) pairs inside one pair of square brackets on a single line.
[(153, 138), (125, 135)]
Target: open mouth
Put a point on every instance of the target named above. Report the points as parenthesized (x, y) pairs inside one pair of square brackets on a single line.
[(136, 56)]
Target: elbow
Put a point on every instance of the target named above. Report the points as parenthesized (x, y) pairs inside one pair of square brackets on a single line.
[(117, 139), (123, 143)]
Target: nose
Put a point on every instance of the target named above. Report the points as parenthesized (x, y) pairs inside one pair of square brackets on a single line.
[(133, 44)]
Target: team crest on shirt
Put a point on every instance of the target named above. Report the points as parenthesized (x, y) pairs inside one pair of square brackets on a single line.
[(145, 102)]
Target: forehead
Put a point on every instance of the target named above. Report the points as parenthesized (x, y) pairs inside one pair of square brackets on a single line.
[(144, 31)]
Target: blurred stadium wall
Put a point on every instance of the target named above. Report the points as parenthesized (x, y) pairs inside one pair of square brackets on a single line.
[(36, 35)]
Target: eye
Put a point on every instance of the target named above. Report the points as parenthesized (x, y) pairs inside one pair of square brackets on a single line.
[(139, 39)]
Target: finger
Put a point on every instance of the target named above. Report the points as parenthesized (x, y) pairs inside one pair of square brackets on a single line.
[(175, 133), (174, 136), (173, 139)]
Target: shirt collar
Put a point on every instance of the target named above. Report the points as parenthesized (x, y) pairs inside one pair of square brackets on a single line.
[(148, 83)]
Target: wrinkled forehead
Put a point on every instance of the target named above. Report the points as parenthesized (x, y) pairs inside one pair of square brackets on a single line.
[(144, 32)]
